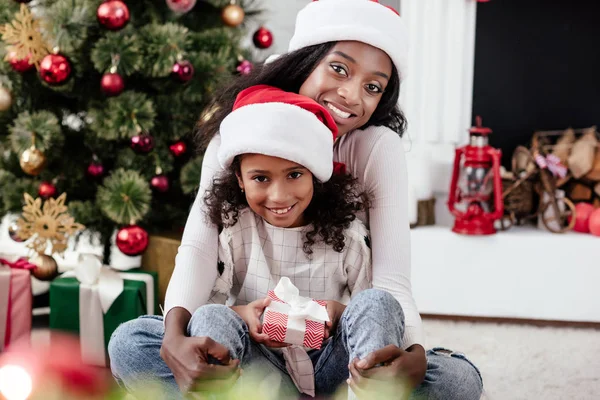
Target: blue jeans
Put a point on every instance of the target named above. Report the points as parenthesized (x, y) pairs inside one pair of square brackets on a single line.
[(372, 320)]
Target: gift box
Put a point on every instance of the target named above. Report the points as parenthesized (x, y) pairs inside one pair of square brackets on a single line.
[(94, 300), (160, 257), (15, 301), (293, 319)]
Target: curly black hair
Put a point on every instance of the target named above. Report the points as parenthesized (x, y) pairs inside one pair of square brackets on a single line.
[(289, 72), (331, 211)]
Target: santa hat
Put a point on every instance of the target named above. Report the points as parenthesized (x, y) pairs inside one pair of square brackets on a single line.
[(267, 120), (366, 21)]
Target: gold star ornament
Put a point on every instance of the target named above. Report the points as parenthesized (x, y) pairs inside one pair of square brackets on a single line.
[(47, 224), (24, 36)]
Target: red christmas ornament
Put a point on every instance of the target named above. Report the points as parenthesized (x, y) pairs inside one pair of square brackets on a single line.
[(582, 217), (263, 38), (46, 190), (181, 6), (95, 170), (142, 143), (55, 69), (19, 65), (594, 223), (178, 149), (245, 67), (160, 183), (183, 70), (112, 84), (113, 14), (132, 240)]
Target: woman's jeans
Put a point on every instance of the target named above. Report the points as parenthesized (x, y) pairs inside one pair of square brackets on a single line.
[(372, 320)]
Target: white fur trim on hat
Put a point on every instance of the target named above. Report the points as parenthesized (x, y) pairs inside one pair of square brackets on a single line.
[(279, 130), (364, 21)]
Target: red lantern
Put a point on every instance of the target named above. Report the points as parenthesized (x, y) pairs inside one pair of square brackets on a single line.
[(475, 197)]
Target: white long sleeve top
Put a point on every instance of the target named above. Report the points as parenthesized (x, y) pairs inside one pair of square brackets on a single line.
[(375, 156)]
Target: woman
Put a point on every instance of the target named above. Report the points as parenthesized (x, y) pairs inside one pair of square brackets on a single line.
[(350, 57)]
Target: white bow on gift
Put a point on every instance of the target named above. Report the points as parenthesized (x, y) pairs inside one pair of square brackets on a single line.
[(300, 308), (99, 287)]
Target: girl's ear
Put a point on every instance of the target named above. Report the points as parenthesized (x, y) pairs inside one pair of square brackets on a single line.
[(240, 181)]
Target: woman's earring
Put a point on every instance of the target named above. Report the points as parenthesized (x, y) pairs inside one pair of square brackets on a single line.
[(242, 189)]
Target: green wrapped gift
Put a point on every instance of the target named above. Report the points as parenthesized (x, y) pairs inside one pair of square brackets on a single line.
[(93, 307)]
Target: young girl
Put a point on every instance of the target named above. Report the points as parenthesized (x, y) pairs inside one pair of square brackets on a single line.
[(349, 56), (284, 215)]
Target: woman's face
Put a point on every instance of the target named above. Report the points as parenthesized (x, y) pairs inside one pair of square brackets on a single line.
[(276, 189), (349, 82)]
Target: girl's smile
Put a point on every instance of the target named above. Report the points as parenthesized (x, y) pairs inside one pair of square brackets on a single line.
[(278, 190)]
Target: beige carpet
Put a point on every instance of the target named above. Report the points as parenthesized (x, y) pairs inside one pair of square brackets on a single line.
[(523, 361)]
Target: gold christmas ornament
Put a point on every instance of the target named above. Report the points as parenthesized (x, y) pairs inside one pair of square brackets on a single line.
[(233, 15), (50, 224), (32, 161), (46, 268), (24, 36), (5, 99)]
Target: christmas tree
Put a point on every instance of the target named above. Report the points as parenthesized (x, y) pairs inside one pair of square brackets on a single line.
[(98, 99)]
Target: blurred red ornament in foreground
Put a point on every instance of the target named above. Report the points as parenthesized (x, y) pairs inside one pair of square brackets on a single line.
[(53, 371)]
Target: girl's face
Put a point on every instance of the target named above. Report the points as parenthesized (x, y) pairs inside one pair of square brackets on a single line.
[(276, 189), (349, 82)]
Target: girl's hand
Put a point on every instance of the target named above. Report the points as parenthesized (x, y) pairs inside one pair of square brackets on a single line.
[(188, 358), (335, 310), (400, 371), (251, 315)]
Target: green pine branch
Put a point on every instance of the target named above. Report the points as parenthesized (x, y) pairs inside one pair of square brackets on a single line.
[(190, 175), (125, 47), (124, 197), (45, 126), (162, 45), (120, 116)]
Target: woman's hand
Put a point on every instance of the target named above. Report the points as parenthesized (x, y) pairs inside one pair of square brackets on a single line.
[(189, 358), (335, 310), (251, 315), (400, 371)]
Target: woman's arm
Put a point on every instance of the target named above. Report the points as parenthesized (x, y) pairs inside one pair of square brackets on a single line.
[(376, 158), (196, 262)]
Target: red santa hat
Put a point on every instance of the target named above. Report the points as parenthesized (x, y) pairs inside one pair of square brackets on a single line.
[(366, 21), (267, 120)]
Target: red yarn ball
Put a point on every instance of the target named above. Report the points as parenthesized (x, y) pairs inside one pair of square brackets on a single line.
[(132, 240), (55, 69), (582, 217), (46, 190), (594, 223), (113, 14), (112, 84)]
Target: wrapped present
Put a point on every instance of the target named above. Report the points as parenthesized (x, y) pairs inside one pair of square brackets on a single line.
[(93, 300), (15, 300), (160, 257), (291, 318)]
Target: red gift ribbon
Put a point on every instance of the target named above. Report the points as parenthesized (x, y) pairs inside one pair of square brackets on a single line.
[(21, 263)]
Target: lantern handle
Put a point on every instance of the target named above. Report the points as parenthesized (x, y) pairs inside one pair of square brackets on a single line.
[(453, 184), (498, 199)]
